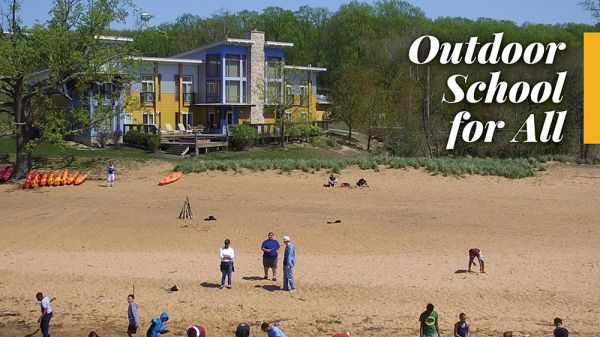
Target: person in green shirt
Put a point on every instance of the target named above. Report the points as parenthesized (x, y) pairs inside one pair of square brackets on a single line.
[(429, 323)]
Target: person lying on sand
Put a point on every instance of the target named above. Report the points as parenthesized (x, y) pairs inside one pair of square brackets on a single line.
[(196, 331), (157, 326), (331, 182), (362, 183), (476, 253), (93, 334), (461, 328)]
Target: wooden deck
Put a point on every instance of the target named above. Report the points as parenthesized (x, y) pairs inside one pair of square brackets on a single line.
[(196, 141)]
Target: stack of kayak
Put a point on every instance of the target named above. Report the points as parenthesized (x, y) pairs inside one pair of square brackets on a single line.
[(6, 172), (61, 178)]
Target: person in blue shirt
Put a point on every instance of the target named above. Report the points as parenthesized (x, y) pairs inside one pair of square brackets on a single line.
[(272, 331), (289, 260), (110, 174), (157, 326), (270, 248)]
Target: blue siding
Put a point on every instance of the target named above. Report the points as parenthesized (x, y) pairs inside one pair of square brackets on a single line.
[(274, 52)]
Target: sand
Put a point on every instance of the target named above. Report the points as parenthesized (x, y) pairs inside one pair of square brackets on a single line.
[(401, 243)]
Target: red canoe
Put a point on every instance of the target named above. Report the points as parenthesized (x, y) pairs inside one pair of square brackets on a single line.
[(171, 178)]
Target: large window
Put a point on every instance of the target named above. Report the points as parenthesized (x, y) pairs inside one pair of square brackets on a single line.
[(274, 67), (148, 118), (273, 92), (213, 91), (232, 65), (187, 86), (147, 83), (213, 65), (187, 118), (233, 91)]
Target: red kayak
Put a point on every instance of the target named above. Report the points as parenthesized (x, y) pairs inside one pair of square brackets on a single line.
[(7, 173), (171, 178), (80, 179)]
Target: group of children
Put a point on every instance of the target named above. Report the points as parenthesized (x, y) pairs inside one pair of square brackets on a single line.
[(332, 182)]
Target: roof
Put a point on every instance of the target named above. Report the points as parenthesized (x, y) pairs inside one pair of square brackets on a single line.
[(167, 60), (305, 68), (113, 38), (276, 44), (228, 41)]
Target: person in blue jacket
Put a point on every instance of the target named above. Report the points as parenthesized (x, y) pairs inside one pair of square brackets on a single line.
[(157, 326), (289, 260)]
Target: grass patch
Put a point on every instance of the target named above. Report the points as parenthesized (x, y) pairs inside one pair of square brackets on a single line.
[(509, 168), (51, 156)]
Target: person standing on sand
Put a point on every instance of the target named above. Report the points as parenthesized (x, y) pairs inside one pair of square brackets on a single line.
[(157, 326), (46, 306), (461, 328), (289, 260), (476, 253), (110, 174), (560, 331), (133, 316), (429, 323), (270, 248), (226, 254), (272, 331)]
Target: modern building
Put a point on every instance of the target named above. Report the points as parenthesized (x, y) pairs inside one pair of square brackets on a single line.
[(235, 81)]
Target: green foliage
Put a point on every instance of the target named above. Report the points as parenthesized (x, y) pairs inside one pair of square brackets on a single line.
[(133, 137), (303, 131), (243, 136), (509, 168)]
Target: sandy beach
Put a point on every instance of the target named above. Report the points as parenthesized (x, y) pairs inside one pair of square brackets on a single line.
[(401, 244)]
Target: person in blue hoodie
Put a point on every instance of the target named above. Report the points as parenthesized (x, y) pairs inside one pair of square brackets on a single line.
[(157, 326)]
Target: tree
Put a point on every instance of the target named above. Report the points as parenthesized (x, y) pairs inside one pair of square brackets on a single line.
[(37, 65), (593, 6)]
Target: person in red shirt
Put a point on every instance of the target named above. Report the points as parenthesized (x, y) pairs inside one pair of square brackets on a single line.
[(476, 253), (196, 331)]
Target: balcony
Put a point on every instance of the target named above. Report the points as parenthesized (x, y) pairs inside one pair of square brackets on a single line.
[(189, 98), (213, 98), (147, 97)]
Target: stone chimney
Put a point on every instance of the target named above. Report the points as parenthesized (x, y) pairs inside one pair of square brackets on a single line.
[(256, 75)]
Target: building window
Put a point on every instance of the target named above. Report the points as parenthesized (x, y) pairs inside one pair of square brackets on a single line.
[(128, 118), (211, 120), (303, 95), (232, 65), (230, 117), (233, 90), (148, 118), (288, 116), (187, 86), (213, 91), (213, 65), (304, 116), (289, 95), (273, 92), (274, 66), (187, 118)]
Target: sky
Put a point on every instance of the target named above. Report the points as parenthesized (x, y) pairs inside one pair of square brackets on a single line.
[(519, 11)]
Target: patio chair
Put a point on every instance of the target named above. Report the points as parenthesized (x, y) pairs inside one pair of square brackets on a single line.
[(169, 128)]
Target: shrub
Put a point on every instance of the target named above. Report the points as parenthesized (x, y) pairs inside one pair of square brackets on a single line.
[(152, 142), (243, 136), (304, 131)]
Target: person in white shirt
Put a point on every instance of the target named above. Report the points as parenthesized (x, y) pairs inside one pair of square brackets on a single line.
[(44, 320), (226, 254)]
